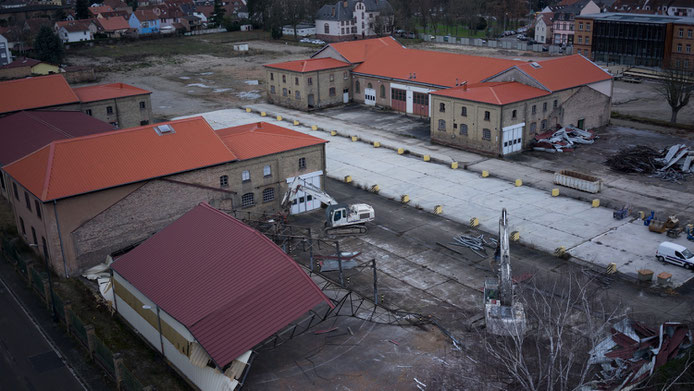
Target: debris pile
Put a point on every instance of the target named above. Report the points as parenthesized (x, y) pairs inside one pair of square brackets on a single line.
[(633, 352), (475, 243), (564, 139), (673, 164)]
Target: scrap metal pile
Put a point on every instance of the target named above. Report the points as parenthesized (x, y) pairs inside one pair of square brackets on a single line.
[(633, 352), (564, 139), (673, 164), (475, 243)]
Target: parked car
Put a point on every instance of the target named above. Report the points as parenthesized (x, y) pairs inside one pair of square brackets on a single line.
[(318, 42), (305, 40), (675, 254)]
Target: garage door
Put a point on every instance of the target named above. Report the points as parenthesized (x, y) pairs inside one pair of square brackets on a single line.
[(304, 202), (399, 100), (512, 139)]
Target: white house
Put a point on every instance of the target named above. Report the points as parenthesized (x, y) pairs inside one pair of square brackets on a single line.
[(302, 30), (543, 27), (354, 19), (75, 30), (5, 56)]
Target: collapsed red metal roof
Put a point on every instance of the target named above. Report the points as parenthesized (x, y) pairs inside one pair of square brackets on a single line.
[(227, 283)]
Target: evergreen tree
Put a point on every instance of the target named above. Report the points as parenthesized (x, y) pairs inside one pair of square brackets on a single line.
[(82, 9), (219, 11), (48, 46)]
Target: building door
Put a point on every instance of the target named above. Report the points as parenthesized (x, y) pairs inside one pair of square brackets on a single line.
[(304, 202), (581, 123), (370, 96), (420, 104), (345, 95), (399, 100), (311, 102), (512, 139)]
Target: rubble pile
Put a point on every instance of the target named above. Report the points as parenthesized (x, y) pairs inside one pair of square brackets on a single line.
[(564, 139), (673, 164)]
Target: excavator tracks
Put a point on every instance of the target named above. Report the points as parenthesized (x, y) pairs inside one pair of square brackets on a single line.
[(359, 229)]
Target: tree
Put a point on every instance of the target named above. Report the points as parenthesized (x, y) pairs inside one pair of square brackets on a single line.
[(48, 46), (133, 4), (676, 87), (82, 9), (218, 13)]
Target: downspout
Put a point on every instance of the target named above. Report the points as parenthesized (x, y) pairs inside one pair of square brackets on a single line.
[(501, 130), (115, 104), (60, 238), (317, 89), (161, 338)]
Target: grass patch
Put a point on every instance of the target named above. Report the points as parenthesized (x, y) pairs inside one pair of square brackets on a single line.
[(651, 121)]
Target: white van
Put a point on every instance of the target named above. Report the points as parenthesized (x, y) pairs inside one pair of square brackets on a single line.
[(674, 253)]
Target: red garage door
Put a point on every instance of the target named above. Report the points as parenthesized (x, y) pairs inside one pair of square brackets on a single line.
[(420, 104), (399, 100)]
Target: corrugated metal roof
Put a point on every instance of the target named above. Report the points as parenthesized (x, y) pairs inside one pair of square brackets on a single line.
[(496, 93), (261, 138), (311, 65), (35, 92), (24, 132), (80, 165), (107, 91), (227, 283)]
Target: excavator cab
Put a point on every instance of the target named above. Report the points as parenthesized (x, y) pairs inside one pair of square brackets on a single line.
[(336, 215)]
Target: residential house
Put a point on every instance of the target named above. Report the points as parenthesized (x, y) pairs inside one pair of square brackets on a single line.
[(543, 28), (302, 30), (563, 19), (145, 22), (118, 5), (5, 55), (113, 27), (354, 19), (119, 104), (94, 11), (681, 8), (101, 193), (71, 31), (24, 66), (206, 314)]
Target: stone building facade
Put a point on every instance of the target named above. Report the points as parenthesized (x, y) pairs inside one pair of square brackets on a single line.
[(119, 104)]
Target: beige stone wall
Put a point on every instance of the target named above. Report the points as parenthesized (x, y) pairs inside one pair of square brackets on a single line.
[(15, 73), (376, 83), (321, 83), (125, 112)]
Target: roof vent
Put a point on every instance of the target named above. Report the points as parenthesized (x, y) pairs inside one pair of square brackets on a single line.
[(535, 65), (164, 129)]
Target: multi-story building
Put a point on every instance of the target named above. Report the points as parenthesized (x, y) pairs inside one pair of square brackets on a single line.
[(354, 19), (543, 28), (5, 55), (637, 39), (563, 19)]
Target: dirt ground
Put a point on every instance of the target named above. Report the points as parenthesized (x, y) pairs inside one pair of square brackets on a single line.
[(642, 100)]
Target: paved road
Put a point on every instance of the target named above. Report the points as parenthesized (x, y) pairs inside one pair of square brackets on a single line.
[(28, 361)]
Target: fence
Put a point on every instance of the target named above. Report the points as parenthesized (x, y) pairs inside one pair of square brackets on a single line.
[(492, 43), (111, 362)]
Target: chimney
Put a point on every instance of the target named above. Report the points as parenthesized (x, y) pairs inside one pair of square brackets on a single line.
[(456, 82), (414, 75)]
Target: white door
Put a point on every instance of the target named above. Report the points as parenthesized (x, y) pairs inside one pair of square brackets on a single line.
[(304, 202), (512, 139), (345, 97), (370, 96)]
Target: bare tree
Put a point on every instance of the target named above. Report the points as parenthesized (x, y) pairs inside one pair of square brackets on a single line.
[(565, 319), (676, 87)]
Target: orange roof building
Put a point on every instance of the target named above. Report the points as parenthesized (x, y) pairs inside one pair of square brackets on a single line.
[(314, 64), (107, 91), (262, 139), (355, 52), (36, 92), (494, 93)]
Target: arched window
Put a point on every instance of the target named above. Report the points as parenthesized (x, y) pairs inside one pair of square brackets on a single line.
[(357, 87), (326, 27), (247, 200), (369, 86), (383, 91)]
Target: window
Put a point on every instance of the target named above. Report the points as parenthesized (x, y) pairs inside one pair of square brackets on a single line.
[(16, 193), (463, 111), (331, 91), (513, 114), (245, 176), (284, 78), (21, 224), (309, 81), (302, 163), (297, 95), (33, 235), (272, 76), (689, 33), (326, 28), (580, 39), (383, 90), (369, 86), (38, 209), (533, 127), (247, 200), (88, 111), (45, 247), (284, 92), (145, 122), (554, 104), (543, 125), (357, 87), (27, 201), (296, 81), (487, 116), (587, 40), (332, 77), (442, 107), (681, 33), (345, 91), (345, 75), (272, 89), (679, 48), (267, 170), (224, 181), (688, 48), (268, 194), (442, 125), (544, 107), (463, 129), (2, 180), (580, 27), (686, 63), (486, 134), (534, 109), (109, 109)]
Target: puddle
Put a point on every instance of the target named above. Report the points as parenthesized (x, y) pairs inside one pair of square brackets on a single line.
[(206, 73), (221, 89), (184, 77), (198, 85), (251, 82), (249, 94)]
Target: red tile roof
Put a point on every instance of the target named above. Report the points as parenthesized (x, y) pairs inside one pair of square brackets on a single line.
[(107, 91), (565, 72), (35, 92), (99, 9), (228, 284), (358, 51), (144, 15), (24, 132), (74, 25), (314, 64), (260, 139), (84, 164), (496, 93), (113, 23), (20, 62), (433, 68)]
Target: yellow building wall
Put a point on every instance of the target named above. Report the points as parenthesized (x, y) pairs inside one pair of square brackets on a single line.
[(44, 69)]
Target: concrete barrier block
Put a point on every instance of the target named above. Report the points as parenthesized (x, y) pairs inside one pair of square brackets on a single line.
[(377, 144), (375, 188), (296, 122), (401, 151), (611, 268), (404, 198), (314, 127), (515, 236), (263, 114), (333, 133), (454, 165), (354, 138), (426, 158), (279, 118), (518, 183), (248, 110), (438, 209), (555, 192), (485, 173), (595, 203), (348, 179), (559, 251), (474, 222)]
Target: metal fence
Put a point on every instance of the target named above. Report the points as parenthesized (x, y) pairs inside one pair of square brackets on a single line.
[(128, 382), (37, 283), (103, 356), (493, 43), (59, 308), (77, 329)]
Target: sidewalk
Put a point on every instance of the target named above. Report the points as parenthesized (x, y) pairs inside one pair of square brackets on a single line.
[(546, 223)]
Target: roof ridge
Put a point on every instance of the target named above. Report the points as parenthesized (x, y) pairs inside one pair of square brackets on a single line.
[(491, 88), (47, 123), (49, 170)]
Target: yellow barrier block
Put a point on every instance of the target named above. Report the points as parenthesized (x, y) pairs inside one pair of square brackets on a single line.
[(595, 203), (377, 144), (454, 165), (375, 188), (404, 198), (515, 236), (559, 251), (354, 138), (296, 122), (279, 118), (314, 127), (642, 215), (474, 222), (333, 133), (519, 183), (555, 192), (263, 114), (612, 268), (426, 158), (485, 173), (248, 109), (438, 209), (401, 151), (348, 179)]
